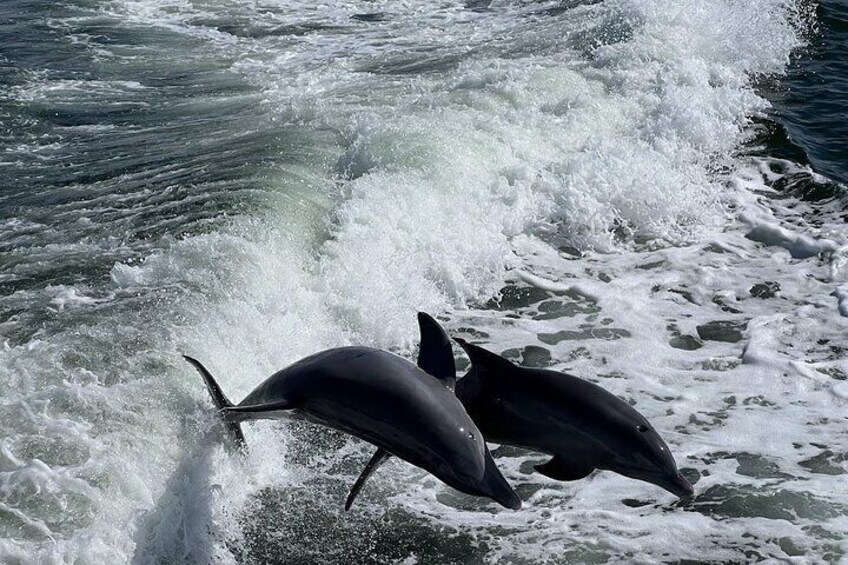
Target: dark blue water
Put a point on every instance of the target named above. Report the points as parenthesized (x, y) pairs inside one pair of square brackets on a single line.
[(813, 104)]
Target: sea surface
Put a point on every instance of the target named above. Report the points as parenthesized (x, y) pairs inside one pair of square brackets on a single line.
[(647, 194)]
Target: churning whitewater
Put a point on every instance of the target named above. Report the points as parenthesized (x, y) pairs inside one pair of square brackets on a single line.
[(590, 187)]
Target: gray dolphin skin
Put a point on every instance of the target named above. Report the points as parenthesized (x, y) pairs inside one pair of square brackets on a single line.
[(384, 400), (582, 425), (435, 357)]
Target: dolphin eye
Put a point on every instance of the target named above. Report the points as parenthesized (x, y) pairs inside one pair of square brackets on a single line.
[(642, 428)]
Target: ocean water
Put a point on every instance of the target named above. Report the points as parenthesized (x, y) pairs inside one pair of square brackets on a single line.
[(645, 194)]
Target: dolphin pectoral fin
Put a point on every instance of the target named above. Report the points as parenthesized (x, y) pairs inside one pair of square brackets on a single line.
[(563, 470), (221, 403), (238, 413), (376, 460), (435, 355)]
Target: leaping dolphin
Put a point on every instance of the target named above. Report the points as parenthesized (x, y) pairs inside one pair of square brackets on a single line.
[(583, 426), (384, 400)]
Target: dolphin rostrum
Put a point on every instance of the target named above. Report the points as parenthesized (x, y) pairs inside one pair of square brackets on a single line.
[(384, 400)]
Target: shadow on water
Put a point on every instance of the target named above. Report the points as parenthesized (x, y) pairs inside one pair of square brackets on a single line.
[(283, 528), (306, 523), (180, 527)]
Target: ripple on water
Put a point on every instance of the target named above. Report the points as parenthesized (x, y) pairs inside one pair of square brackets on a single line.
[(281, 529), (735, 501)]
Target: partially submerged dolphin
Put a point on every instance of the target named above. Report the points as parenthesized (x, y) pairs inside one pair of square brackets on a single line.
[(582, 425), (383, 399)]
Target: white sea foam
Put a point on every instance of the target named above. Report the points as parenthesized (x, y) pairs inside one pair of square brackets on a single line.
[(471, 150)]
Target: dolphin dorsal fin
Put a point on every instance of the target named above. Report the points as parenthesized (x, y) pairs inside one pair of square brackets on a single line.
[(484, 360), (435, 355)]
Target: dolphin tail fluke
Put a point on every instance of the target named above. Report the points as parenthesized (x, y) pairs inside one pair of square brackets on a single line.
[(221, 403), (376, 460), (255, 411)]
